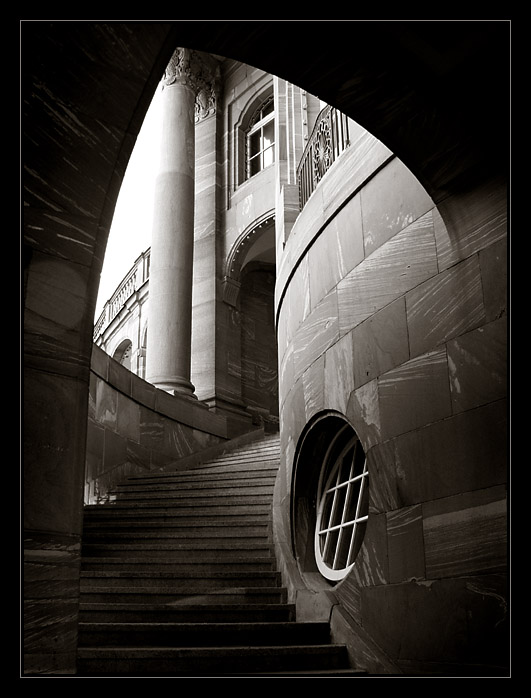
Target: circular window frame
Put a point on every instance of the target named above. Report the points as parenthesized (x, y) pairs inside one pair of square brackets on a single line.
[(316, 449), (342, 505)]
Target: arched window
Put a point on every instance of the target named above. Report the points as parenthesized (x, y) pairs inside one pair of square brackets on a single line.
[(122, 353), (260, 142)]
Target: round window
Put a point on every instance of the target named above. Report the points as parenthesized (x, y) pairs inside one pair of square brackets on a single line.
[(331, 497), (342, 506)]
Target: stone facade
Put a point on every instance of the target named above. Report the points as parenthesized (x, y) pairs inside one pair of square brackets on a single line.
[(398, 331)]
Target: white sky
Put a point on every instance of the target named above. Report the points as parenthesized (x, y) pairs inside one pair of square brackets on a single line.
[(130, 233)]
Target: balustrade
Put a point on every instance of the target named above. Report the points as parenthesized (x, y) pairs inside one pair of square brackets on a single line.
[(329, 138), (135, 277)]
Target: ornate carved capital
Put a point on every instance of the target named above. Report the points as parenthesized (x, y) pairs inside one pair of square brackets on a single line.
[(199, 72)]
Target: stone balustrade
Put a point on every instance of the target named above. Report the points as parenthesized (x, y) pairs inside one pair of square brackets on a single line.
[(132, 281)]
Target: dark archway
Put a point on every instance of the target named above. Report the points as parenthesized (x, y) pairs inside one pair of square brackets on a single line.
[(436, 93)]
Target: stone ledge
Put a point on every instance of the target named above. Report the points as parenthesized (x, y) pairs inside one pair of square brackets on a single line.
[(183, 410)]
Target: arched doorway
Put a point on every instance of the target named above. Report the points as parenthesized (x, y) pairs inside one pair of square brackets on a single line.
[(249, 288)]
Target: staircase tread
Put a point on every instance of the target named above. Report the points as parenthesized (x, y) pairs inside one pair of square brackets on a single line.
[(233, 649), (346, 672), (91, 574), (180, 606), (84, 625), (168, 535), (251, 591), (163, 560)]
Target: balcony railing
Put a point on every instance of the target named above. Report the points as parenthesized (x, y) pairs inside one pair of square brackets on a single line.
[(330, 137), (135, 277)]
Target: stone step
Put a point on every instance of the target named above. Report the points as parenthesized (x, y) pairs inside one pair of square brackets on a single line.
[(244, 464), (345, 672), (198, 481), (210, 661), (110, 534), (185, 549), (212, 506), (188, 595), (178, 494), (211, 497), (205, 566), (175, 517), (249, 464), (185, 613), (203, 634), (182, 525), (259, 447), (177, 580)]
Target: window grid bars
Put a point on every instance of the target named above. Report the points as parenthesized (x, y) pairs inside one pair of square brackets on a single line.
[(341, 527), (358, 519), (331, 516), (345, 510)]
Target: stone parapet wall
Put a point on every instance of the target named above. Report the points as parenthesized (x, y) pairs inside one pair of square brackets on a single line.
[(392, 312), (133, 427)]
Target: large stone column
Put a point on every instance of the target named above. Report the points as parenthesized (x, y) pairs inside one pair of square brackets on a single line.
[(172, 246)]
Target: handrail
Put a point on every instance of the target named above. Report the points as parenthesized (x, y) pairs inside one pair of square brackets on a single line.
[(329, 138), (135, 277)]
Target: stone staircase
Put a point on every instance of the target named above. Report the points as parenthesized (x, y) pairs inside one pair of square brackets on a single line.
[(178, 578)]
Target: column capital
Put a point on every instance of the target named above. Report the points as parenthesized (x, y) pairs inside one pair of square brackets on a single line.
[(200, 73)]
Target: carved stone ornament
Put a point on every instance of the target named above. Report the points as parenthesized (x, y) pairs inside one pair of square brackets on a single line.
[(187, 67)]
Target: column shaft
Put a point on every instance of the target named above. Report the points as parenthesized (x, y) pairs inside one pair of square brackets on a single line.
[(170, 284)]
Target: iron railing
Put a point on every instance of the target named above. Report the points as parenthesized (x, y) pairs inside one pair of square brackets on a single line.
[(329, 138)]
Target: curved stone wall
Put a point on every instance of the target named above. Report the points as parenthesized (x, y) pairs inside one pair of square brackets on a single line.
[(395, 321), (133, 427)]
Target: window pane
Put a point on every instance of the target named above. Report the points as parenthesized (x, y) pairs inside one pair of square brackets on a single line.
[(269, 156), (254, 165), (268, 109), (341, 494), (254, 143), (269, 134), (328, 552), (342, 548)]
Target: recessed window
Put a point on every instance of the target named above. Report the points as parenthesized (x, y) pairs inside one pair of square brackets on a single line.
[(342, 506), (330, 502), (261, 139)]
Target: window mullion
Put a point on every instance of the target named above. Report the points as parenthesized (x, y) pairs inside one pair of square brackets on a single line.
[(357, 518), (331, 517), (345, 508)]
